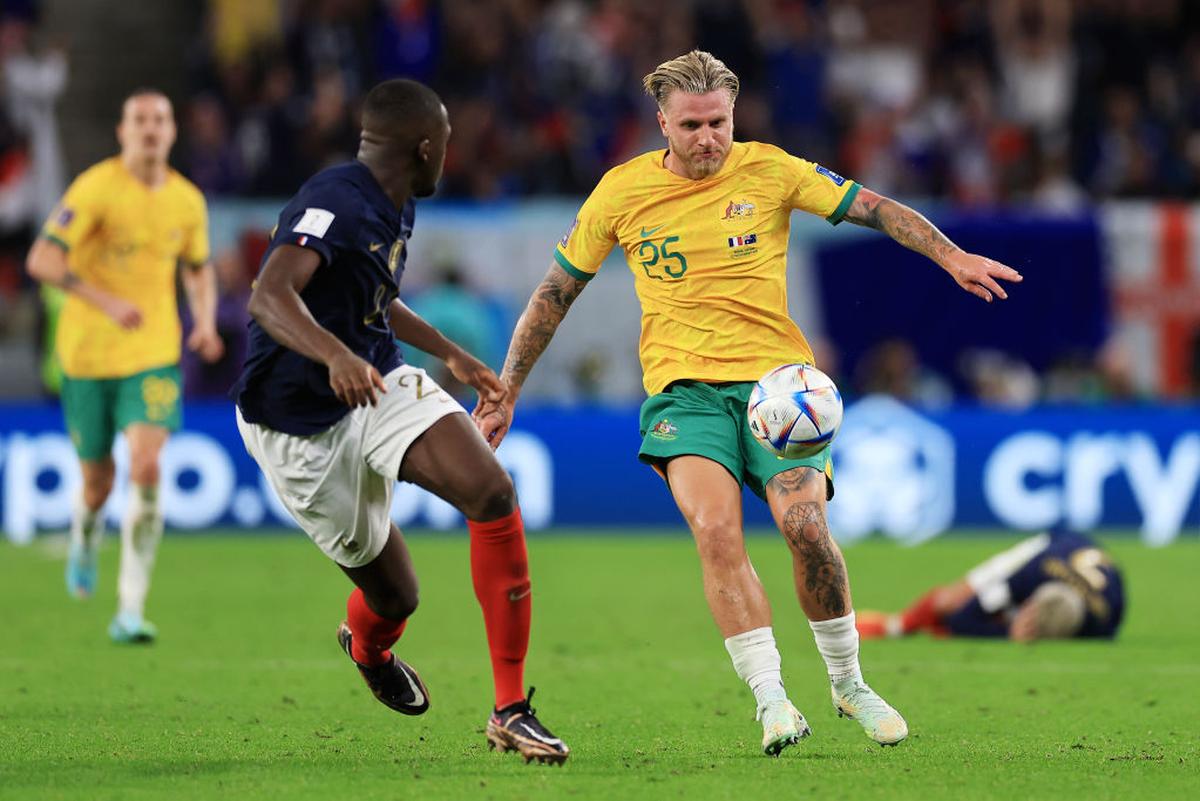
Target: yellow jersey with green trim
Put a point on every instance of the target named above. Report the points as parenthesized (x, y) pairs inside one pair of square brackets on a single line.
[(709, 257), (127, 239)]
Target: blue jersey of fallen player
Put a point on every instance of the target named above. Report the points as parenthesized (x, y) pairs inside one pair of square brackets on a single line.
[(343, 215), (1057, 555)]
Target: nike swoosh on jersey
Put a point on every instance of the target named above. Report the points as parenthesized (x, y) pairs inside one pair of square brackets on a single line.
[(374, 246), (514, 595), (649, 231)]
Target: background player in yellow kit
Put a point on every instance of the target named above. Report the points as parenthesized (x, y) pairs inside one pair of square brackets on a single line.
[(704, 226), (114, 244)]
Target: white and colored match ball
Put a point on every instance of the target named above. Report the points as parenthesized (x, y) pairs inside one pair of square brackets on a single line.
[(794, 411)]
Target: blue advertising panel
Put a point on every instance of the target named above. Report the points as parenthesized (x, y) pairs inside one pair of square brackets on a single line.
[(908, 474), (872, 290)]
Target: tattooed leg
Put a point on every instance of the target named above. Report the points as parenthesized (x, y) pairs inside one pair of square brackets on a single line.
[(797, 500)]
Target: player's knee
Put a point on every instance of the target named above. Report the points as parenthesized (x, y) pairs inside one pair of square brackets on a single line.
[(495, 497), (398, 604), (144, 472), (96, 493), (97, 485), (719, 541)]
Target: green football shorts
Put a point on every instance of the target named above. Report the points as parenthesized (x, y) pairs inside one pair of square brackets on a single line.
[(97, 408), (709, 420)]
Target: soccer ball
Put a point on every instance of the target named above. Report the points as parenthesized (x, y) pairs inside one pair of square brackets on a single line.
[(794, 411)]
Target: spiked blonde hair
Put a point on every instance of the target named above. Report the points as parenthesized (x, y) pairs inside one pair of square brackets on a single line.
[(696, 73)]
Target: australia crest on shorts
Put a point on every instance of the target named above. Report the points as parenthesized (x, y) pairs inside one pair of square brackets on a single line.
[(664, 429)]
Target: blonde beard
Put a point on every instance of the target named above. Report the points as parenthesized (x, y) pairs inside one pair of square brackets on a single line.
[(698, 170)]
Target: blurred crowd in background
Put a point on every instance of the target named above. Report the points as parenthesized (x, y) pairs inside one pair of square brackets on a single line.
[(1047, 100), (1048, 104)]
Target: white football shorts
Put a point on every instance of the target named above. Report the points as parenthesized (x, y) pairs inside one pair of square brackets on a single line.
[(990, 579), (338, 484)]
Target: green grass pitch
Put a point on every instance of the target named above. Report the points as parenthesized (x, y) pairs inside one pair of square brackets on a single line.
[(247, 695)]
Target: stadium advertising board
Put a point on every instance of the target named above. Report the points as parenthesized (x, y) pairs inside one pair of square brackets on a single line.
[(908, 474)]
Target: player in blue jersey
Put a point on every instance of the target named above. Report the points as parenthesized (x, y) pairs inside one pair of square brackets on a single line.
[(334, 417), (1054, 585)]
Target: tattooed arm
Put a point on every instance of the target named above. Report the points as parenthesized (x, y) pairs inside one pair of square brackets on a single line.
[(536, 327), (975, 274)]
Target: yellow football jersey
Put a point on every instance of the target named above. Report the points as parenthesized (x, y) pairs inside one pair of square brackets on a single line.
[(709, 257), (127, 239)]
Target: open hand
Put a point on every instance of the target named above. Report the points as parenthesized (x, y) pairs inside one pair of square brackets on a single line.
[(978, 274)]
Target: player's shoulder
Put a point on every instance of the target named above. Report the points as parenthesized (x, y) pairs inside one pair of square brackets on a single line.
[(101, 175), (764, 154), (629, 174), (341, 189), (179, 184)]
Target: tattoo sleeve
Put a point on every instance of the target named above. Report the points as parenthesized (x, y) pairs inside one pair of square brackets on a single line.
[(538, 322), (902, 224)]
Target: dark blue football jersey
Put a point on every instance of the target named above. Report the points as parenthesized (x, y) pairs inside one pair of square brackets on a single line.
[(1065, 556), (1079, 561), (342, 214)]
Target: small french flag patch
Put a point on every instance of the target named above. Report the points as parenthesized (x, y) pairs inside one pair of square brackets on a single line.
[(738, 241), (302, 241)]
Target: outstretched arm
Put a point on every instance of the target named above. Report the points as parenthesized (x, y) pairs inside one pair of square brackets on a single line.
[(976, 274), (408, 326), (533, 333)]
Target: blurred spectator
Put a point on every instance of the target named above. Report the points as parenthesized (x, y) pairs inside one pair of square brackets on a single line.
[(892, 368), (34, 79), (31, 162), (465, 317), (978, 101), (1000, 379), (210, 157)]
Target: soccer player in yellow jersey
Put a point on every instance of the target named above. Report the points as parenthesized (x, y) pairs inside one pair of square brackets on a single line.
[(704, 227), (114, 245)]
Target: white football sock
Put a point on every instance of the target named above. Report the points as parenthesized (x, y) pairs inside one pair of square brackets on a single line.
[(141, 531), (87, 527), (837, 640), (757, 662)]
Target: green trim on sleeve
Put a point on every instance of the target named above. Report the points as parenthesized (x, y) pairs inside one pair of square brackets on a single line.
[(49, 237), (844, 206), (571, 269)]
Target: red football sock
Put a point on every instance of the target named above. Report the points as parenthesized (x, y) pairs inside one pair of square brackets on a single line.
[(372, 635), (921, 615), (500, 572)]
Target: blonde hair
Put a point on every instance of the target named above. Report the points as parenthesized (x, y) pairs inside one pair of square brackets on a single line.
[(1060, 610), (696, 73)]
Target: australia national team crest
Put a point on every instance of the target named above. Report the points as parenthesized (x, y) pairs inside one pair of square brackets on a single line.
[(738, 210), (664, 429)]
